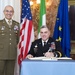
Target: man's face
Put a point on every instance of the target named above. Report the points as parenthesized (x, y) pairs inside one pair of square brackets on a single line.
[(44, 33), (8, 12)]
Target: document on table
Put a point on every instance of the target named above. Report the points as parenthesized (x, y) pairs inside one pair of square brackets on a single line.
[(43, 58), (52, 58), (37, 58), (65, 58)]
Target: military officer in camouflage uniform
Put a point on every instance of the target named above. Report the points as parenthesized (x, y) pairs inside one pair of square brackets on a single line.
[(9, 36)]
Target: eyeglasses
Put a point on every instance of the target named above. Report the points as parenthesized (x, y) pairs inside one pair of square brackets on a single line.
[(9, 11)]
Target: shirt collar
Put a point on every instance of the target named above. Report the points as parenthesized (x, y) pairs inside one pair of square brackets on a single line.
[(8, 20), (44, 41)]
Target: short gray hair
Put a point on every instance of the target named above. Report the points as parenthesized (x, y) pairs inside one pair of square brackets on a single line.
[(9, 6), (45, 26)]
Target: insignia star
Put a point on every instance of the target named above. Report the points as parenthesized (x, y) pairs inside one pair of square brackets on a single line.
[(60, 28), (60, 39)]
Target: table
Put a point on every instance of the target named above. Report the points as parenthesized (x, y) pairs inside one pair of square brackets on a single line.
[(39, 67)]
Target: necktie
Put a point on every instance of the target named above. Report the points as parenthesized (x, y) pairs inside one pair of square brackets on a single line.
[(44, 43), (9, 23)]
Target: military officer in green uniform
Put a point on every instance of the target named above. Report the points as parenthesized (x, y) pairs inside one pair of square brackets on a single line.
[(9, 36)]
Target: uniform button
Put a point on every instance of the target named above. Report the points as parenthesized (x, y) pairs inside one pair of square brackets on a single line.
[(10, 43), (2, 34), (10, 34), (10, 38)]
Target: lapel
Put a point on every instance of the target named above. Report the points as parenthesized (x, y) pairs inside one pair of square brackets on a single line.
[(40, 44), (6, 25), (47, 45), (49, 42), (12, 26)]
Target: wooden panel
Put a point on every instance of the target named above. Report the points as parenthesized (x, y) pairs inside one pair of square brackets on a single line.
[(73, 56), (72, 26)]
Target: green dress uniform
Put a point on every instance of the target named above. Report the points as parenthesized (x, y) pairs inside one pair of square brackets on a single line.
[(9, 37)]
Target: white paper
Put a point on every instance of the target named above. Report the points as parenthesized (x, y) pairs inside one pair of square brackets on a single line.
[(52, 58), (37, 58), (64, 58)]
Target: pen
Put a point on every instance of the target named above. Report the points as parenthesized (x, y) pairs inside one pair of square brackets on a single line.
[(50, 49)]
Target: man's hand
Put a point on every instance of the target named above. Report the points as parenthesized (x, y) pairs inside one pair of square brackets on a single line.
[(49, 54), (29, 56)]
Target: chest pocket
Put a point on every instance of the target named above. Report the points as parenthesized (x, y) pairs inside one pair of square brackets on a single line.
[(1, 46), (2, 31)]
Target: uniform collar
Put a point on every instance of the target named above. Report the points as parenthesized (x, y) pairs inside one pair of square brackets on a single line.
[(8, 20), (44, 41)]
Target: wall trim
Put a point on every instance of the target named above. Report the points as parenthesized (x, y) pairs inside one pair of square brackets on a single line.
[(71, 2)]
